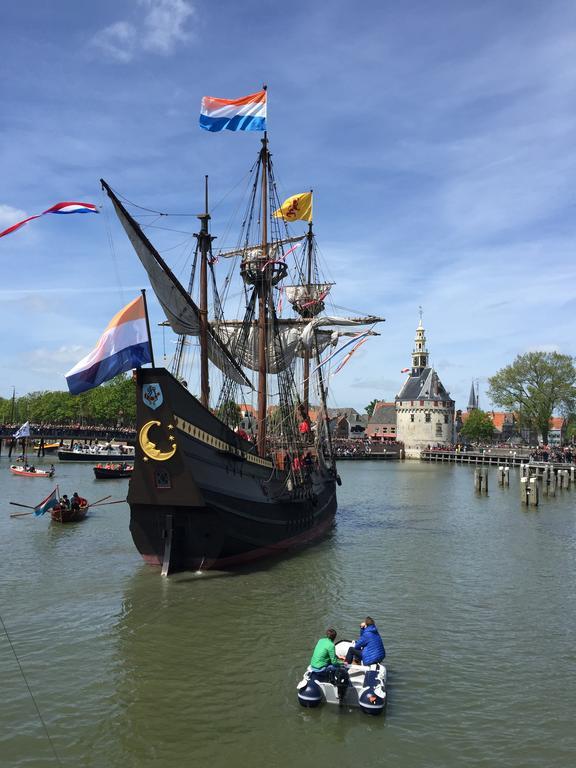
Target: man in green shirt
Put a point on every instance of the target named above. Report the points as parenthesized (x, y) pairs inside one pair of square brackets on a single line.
[(324, 654)]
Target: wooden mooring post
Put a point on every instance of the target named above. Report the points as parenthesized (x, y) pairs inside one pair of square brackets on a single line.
[(503, 476), (549, 482), (563, 479), (481, 481), (529, 491)]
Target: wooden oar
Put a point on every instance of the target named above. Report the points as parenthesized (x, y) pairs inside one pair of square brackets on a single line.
[(27, 506), (99, 500), (106, 503), (21, 514)]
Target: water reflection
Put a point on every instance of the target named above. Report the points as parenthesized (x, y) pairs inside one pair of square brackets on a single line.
[(475, 600)]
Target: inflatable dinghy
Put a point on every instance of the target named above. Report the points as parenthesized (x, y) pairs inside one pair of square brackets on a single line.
[(353, 686)]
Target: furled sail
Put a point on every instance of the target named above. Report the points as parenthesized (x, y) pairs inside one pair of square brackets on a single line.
[(296, 294), (181, 312), (307, 300), (318, 322), (285, 345), (254, 252)]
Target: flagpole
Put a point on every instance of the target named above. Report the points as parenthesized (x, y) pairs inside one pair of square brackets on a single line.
[(143, 291)]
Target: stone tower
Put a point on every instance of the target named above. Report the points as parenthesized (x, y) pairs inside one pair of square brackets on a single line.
[(424, 409)]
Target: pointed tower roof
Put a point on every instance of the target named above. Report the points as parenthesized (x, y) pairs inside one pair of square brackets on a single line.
[(423, 382), (472, 400), (419, 353)]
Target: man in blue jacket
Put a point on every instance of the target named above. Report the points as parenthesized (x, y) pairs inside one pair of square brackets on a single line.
[(369, 648)]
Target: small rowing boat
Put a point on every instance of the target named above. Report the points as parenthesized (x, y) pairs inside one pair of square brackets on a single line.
[(25, 470), (62, 509)]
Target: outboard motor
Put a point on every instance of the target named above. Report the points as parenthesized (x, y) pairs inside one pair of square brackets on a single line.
[(340, 679), (309, 692), (372, 698)]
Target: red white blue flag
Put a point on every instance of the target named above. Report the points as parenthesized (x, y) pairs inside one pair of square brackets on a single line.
[(123, 345), (67, 207), (49, 502), (245, 114)]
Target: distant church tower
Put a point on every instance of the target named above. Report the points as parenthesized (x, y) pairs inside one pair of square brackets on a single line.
[(472, 400), (424, 409)]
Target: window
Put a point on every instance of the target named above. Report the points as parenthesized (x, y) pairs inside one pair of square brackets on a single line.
[(428, 417), (411, 402), (438, 429), (436, 403), (421, 402), (393, 430), (411, 417), (446, 419)]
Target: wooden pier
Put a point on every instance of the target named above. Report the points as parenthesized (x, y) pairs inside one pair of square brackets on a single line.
[(494, 457)]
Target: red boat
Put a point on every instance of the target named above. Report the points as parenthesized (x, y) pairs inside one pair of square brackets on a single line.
[(27, 471)]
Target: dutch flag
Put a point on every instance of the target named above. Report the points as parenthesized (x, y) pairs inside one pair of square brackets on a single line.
[(245, 114)]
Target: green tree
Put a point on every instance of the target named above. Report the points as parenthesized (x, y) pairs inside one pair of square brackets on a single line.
[(113, 403), (478, 426), (571, 428), (229, 413), (370, 407), (535, 385)]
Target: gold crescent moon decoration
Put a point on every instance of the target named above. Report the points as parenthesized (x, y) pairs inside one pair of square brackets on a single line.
[(149, 447)]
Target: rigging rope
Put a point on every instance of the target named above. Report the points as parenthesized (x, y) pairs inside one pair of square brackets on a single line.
[(30, 692)]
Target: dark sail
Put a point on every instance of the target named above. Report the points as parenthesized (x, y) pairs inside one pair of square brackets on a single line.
[(181, 312)]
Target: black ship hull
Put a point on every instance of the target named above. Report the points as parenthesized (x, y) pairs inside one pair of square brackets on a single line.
[(93, 458), (201, 498)]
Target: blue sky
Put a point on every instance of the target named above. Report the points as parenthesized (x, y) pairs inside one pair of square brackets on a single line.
[(438, 137)]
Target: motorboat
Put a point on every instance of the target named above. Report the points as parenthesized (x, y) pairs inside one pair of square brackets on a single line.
[(97, 453), (25, 470), (351, 686)]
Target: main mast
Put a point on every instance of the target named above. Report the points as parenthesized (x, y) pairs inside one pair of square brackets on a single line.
[(263, 306), (204, 242)]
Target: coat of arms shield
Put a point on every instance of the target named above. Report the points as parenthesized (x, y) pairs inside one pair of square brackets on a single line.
[(152, 396)]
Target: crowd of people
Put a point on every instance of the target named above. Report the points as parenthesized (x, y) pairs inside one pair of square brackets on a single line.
[(557, 455), (363, 447), (85, 431)]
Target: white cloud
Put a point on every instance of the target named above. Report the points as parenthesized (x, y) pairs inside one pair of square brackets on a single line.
[(158, 30), (9, 216), (164, 24), (117, 41)]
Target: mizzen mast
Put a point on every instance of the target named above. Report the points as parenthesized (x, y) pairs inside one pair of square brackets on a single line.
[(306, 371)]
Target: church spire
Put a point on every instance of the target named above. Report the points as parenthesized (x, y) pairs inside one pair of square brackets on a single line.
[(473, 399), (419, 353)]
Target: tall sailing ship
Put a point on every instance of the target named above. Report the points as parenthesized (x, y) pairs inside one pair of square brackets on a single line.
[(205, 493)]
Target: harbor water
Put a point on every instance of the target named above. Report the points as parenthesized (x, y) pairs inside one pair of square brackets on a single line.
[(475, 598)]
